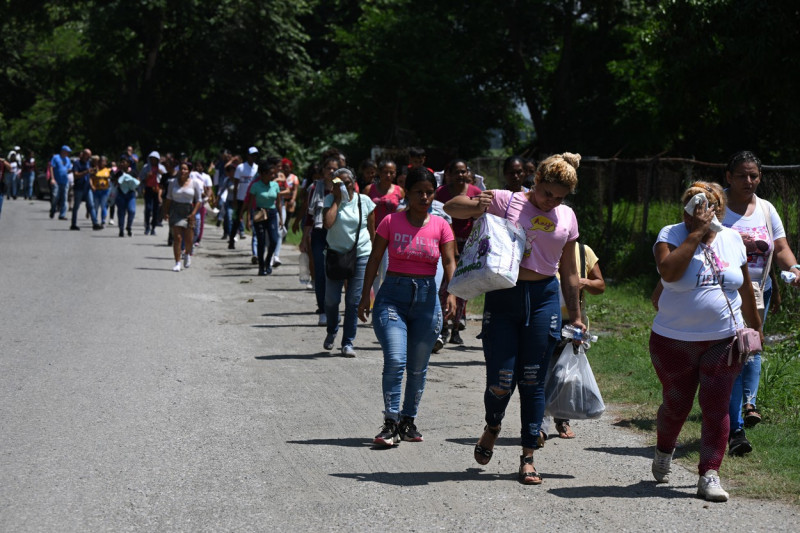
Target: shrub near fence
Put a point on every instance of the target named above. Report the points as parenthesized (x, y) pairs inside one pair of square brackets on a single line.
[(621, 204)]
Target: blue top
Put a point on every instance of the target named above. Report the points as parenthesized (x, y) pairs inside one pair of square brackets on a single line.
[(61, 167), (265, 194), (81, 166), (341, 235)]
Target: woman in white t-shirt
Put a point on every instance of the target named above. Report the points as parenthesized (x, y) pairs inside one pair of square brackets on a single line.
[(707, 296), (757, 221)]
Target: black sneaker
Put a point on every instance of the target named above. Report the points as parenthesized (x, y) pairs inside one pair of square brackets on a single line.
[(388, 435), (738, 445), (455, 338), (408, 431)]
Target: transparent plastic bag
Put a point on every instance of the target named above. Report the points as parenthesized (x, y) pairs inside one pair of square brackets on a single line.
[(570, 390)]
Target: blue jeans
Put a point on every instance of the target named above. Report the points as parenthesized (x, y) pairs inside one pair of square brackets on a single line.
[(520, 331), (100, 198), (12, 182), (745, 387), (58, 198), (151, 206), (266, 229), (228, 217), (27, 185), (318, 242), (2, 198), (333, 296), (83, 193), (126, 205), (407, 319)]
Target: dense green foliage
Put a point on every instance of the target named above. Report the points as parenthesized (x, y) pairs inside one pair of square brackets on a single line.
[(636, 78)]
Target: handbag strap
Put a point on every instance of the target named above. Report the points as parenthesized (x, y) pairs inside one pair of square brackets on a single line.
[(358, 229), (711, 257), (768, 220)]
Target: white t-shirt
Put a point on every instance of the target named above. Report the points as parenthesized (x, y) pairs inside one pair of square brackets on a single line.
[(189, 193), (755, 235), (693, 308), (203, 179), (245, 173)]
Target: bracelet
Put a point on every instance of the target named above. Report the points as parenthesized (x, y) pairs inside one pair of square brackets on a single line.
[(795, 266)]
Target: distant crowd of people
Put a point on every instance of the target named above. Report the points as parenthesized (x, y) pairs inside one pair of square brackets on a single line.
[(389, 236)]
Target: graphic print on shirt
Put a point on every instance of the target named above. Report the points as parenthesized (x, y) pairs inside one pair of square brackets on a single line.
[(756, 242), (538, 223), (708, 275), (411, 246)]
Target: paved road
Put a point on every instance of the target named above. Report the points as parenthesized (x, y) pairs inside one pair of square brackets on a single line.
[(133, 398)]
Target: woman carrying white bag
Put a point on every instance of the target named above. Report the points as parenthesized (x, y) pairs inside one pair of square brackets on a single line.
[(521, 324)]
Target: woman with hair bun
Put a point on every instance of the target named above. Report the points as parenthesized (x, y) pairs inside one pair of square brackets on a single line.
[(707, 296), (521, 325)]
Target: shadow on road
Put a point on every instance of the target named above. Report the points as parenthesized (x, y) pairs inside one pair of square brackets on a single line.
[(646, 451), (345, 443), (412, 479), (642, 489)]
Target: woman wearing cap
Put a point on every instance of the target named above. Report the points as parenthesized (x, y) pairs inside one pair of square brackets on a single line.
[(151, 178), (521, 325), (342, 217), (182, 202)]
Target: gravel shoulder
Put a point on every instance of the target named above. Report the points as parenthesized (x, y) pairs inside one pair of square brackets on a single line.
[(133, 398)]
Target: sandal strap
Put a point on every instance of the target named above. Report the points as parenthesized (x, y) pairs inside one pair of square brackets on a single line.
[(494, 432), (526, 459), (486, 452)]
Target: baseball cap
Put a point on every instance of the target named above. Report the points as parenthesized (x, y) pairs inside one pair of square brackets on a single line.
[(66, 148), (252, 150), (154, 154)]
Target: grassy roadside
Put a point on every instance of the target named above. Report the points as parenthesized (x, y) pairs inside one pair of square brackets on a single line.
[(621, 362)]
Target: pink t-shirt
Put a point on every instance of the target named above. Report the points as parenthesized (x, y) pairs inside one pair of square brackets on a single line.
[(414, 250), (546, 232)]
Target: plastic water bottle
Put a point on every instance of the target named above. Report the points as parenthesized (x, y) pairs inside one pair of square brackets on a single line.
[(787, 276), (586, 338), (305, 271)]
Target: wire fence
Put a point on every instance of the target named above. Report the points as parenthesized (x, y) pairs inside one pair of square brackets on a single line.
[(622, 203)]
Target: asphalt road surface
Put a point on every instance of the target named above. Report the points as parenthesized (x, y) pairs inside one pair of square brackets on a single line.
[(134, 398)]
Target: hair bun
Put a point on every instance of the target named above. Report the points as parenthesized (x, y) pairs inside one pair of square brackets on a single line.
[(573, 159)]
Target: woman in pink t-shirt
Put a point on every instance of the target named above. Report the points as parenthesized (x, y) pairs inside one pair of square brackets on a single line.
[(407, 315), (521, 325)]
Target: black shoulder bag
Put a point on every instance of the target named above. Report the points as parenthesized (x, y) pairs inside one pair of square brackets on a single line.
[(342, 265)]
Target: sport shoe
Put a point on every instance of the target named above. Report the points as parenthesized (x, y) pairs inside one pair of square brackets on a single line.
[(455, 338), (738, 445), (388, 435), (254, 260), (276, 262), (348, 351), (177, 267), (462, 323), (187, 262), (329, 338), (408, 431), (323, 320), (438, 345), (661, 466), (709, 488)]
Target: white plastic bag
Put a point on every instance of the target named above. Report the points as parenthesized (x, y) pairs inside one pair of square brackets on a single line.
[(490, 260), (571, 391)]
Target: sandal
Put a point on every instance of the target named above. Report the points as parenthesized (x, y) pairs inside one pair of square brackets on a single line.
[(528, 478), (484, 454), (751, 416), (564, 431)]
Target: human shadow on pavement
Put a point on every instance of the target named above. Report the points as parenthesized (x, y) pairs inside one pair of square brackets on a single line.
[(453, 364), (642, 489), (289, 356), (345, 443), (471, 441), (632, 451), (299, 313), (413, 479)]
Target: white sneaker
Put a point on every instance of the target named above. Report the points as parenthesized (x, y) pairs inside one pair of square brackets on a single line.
[(188, 261), (708, 487), (310, 286), (348, 351), (276, 261), (110, 222), (323, 320), (661, 466), (177, 267)]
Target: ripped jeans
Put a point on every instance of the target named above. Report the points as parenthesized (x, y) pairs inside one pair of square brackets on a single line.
[(407, 319), (521, 327)]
